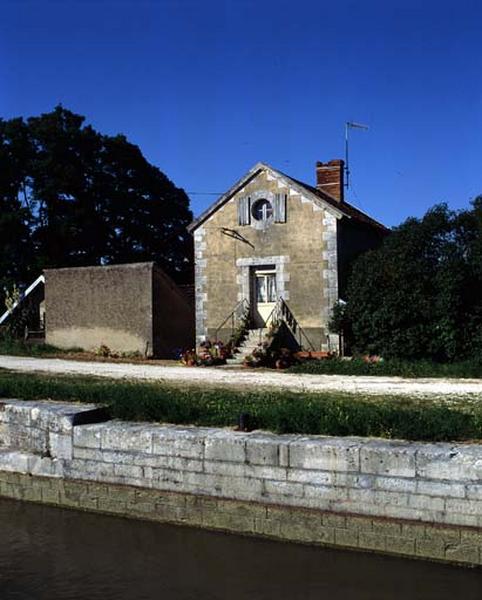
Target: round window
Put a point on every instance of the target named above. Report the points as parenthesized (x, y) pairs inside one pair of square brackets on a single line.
[(262, 210)]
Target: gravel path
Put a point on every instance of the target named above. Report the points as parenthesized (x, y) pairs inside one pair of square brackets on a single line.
[(248, 378)]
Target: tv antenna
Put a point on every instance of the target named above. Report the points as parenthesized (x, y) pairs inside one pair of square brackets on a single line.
[(350, 125)]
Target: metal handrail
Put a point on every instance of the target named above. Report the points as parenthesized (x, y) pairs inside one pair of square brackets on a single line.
[(232, 317), (282, 313)]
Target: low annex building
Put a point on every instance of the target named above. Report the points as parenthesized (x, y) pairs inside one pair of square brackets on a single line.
[(130, 308), (270, 239)]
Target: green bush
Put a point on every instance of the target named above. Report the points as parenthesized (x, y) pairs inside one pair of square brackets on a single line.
[(327, 414), (471, 369), (419, 296)]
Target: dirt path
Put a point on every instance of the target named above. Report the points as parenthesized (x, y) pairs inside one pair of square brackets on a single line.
[(248, 378)]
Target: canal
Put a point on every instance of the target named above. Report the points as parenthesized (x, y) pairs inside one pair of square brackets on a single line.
[(56, 554)]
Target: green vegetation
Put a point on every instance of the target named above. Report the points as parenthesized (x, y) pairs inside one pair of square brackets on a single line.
[(72, 196), (419, 296), (282, 412), (470, 369), (17, 347)]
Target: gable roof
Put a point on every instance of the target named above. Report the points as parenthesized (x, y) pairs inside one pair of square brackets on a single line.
[(321, 198)]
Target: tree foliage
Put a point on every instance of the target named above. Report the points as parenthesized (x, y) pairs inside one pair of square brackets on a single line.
[(420, 294), (71, 196)]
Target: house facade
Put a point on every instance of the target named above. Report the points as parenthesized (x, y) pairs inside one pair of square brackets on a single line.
[(271, 239)]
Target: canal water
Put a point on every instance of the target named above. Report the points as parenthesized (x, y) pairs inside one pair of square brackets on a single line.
[(56, 554)]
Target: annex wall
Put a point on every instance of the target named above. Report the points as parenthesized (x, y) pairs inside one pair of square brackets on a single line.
[(132, 308), (410, 499)]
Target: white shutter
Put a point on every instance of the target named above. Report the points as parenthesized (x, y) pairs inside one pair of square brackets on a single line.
[(280, 208), (244, 212)]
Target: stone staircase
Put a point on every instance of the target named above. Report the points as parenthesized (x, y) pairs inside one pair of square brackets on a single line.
[(254, 337)]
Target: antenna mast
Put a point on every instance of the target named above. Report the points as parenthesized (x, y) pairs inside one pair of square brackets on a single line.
[(350, 125)]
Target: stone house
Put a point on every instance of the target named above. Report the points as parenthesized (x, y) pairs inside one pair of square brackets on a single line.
[(274, 245)]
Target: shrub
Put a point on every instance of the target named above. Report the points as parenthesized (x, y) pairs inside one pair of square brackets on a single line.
[(419, 296)]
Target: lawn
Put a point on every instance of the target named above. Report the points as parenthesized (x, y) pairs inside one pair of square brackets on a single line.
[(281, 412)]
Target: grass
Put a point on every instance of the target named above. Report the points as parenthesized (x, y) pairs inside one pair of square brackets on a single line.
[(392, 368), (21, 348), (281, 412)]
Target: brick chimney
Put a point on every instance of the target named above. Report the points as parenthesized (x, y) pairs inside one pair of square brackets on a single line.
[(330, 178)]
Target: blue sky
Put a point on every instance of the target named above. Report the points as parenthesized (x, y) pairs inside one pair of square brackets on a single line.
[(208, 88)]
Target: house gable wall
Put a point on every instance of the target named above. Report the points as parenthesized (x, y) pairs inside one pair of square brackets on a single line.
[(303, 251)]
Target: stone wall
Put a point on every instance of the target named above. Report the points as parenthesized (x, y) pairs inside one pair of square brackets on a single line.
[(129, 308), (411, 499)]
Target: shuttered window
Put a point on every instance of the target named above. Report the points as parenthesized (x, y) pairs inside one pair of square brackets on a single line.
[(244, 210), (280, 208)]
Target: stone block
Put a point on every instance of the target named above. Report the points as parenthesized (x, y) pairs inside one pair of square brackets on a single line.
[(95, 454), (471, 536), (334, 520), (269, 527), (89, 469), (225, 446), (129, 471), (449, 535), (325, 454), (229, 522), (430, 548), (319, 496), (400, 545), (439, 488), (239, 488), (45, 466), (4, 435), (311, 477), (396, 459), (466, 507), (284, 454), (18, 412), (377, 498), (371, 541), (346, 537), (127, 437), (457, 463), (262, 449), (11, 460), (50, 496), (111, 505), (396, 484), (426, 503), (389, 528), (306, 528), (464, 553), (60, 445), (172, 462), (278, 489), (245, 470), (88, 436), (474, 492), (183, 442)]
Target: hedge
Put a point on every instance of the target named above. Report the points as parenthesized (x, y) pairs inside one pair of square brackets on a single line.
[(392, 368)]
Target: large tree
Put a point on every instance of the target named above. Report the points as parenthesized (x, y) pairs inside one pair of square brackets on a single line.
[(71, 196), (420, 294)]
